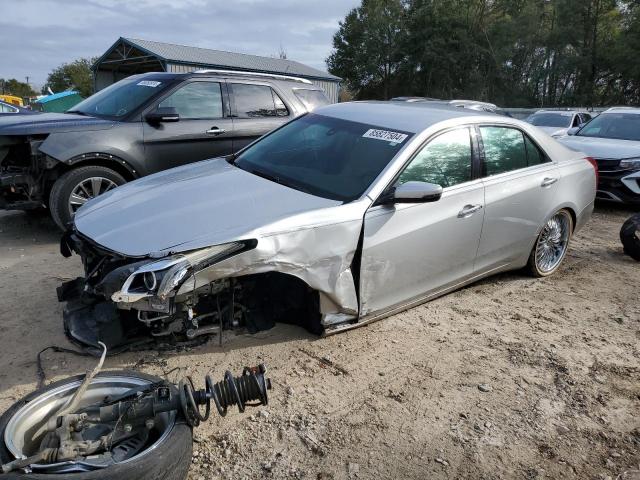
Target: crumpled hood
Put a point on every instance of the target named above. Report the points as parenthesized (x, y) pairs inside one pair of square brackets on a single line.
[(602, 147), (49, 123), (194, 206)]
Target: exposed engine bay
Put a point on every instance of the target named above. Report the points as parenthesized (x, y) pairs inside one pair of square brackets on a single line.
[(124, 302)]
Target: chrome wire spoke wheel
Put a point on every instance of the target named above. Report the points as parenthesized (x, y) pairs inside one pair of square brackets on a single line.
[(552, 242), (88, 189)]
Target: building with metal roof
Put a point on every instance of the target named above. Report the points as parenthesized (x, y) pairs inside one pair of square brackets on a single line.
[(128, 56)]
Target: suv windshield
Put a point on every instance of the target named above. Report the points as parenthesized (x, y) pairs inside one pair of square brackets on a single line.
[(324, 156), (119, 99), (622, 126), (562, 120)]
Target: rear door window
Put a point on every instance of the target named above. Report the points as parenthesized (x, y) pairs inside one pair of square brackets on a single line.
[(196, 100), (311, 98), (257, 101), (504, 150), (534, 154)]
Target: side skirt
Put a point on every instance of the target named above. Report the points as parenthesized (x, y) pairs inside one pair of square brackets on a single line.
[(374, 317)]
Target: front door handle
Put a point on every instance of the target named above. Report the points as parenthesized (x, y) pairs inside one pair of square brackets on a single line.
[(215, 131), (468, 210), (547, 182)]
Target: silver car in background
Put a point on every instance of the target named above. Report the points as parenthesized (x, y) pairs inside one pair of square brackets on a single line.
[(558, 122), (338, 218), (612, 139)]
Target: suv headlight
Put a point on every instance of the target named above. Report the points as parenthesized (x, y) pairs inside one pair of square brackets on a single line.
[(631, 163), (161, 277)]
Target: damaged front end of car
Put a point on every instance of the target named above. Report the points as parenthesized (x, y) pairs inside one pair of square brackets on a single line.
[(122, 298), (180, 298)]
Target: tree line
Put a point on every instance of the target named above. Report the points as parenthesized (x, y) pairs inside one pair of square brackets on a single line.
[(517, 53), (75, 75)]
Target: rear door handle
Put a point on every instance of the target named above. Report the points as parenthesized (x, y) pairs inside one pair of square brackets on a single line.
[(468, 210), (548, 182), (215, 131)]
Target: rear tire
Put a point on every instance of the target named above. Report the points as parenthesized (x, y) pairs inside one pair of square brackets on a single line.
[(60, 199), (551, 245), (629, 237), (169, 460)]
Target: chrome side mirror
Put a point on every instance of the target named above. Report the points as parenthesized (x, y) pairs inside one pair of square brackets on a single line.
[(413, 192)]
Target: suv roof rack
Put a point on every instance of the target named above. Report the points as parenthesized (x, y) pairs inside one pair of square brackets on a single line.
[(255, 74)]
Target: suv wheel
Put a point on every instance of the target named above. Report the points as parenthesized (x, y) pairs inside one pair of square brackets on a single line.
[(76, 187)]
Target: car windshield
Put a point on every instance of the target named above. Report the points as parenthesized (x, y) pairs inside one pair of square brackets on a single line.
[(622, 126), (119, 99), (561, 120), (324, 156)]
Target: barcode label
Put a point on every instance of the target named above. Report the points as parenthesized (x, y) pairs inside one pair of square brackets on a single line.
[(385, 135)]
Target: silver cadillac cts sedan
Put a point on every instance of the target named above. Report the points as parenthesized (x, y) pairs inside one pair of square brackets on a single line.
[(338, 218)]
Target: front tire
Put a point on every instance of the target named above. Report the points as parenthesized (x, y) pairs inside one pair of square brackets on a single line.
[(76, 187), (630, 238), (169, 459), (551, 245)]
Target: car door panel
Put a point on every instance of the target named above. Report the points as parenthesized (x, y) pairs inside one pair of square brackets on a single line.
[(517, 203), (412, 250), (170, 144)]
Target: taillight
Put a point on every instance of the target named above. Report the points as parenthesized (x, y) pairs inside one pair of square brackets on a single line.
[(593, 162)]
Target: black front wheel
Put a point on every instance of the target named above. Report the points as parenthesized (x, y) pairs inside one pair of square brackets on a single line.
[(161, 450), (76, 187)]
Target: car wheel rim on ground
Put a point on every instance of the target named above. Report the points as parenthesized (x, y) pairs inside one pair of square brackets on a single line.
[(553, 242), (87, 189), (29, 417)]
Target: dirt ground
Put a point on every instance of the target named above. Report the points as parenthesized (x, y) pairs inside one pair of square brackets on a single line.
[(512, 377)]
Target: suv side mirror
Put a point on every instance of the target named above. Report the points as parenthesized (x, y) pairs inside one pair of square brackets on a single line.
[(163, 114), (413, 192), (573, 130)]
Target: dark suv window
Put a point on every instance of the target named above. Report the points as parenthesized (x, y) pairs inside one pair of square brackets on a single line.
[(196, 100), (257, 101), (445, 160), (311, 98)]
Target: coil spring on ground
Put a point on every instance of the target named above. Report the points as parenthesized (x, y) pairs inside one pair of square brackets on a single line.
[(251, 386)]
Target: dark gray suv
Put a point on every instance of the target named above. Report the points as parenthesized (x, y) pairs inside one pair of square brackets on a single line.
[(137, 126)]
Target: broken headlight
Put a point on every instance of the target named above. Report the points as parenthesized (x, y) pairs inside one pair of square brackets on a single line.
[(161, 277)]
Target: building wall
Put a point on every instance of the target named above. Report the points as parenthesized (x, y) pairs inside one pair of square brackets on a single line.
[(330, 88), (104, 78)]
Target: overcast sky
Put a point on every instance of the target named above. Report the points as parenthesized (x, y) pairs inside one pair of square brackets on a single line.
[(39, 35)]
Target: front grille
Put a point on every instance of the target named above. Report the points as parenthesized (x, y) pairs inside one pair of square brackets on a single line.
[(607, 164)]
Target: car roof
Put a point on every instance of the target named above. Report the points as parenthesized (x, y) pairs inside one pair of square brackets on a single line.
[(634, 110), (561, 111), (405, 116)]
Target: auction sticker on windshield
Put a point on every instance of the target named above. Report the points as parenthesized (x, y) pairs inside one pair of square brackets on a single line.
[(149, 83), (385, 135)]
